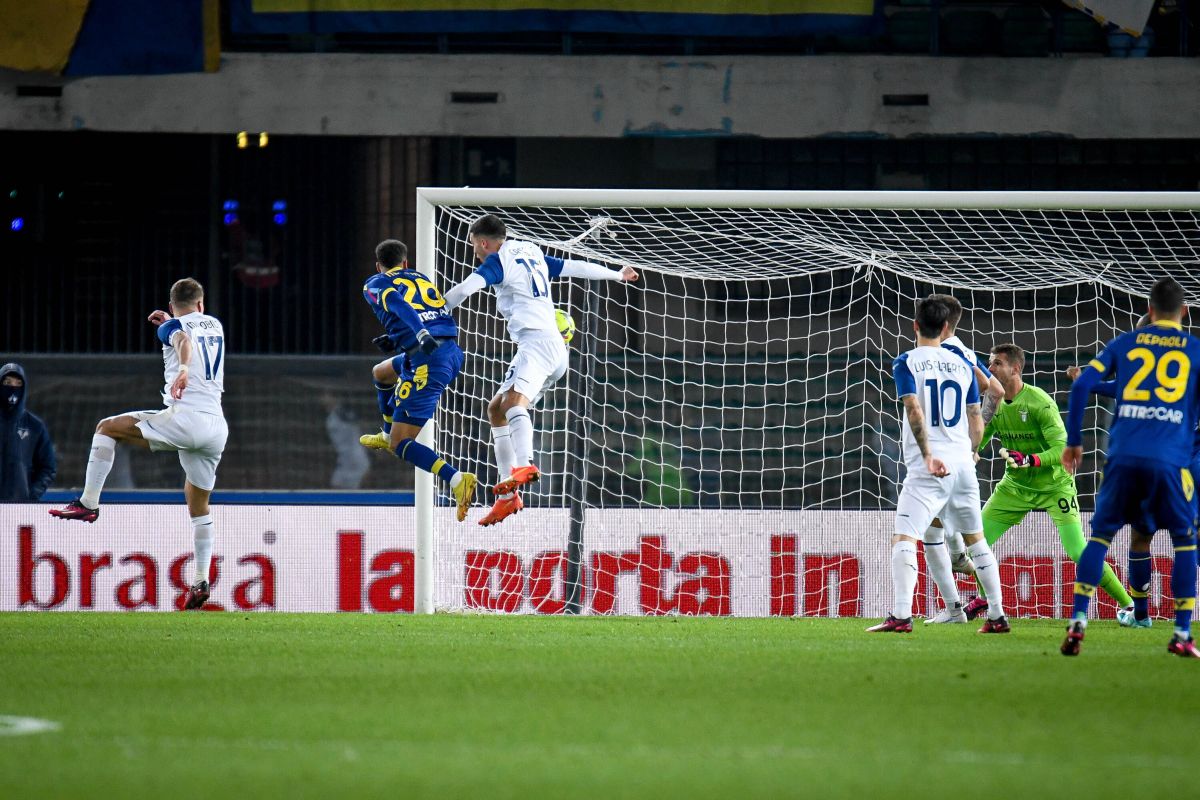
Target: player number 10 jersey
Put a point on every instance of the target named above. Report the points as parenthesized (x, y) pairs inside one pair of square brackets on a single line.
[(944, 385)]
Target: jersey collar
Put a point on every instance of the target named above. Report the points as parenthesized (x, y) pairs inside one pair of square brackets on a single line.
[(1024, 386), (1168, 323)]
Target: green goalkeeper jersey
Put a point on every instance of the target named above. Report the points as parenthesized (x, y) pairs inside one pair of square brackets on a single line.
[(1031, 423)]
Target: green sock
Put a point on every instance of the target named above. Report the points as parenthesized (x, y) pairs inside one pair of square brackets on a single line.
[(1071, 535), (1113, 588)]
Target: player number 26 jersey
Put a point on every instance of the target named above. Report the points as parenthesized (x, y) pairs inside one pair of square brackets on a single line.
[(206, 370), (944, 385)]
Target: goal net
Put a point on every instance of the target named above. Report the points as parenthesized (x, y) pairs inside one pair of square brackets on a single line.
[(727, 438)]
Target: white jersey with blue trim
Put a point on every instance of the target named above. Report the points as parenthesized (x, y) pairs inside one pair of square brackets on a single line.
[(944, 385), (957, 345), (522, 279), (206, 369)]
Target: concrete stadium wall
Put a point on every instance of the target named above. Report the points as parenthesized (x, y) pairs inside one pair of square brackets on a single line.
[(616, 96)]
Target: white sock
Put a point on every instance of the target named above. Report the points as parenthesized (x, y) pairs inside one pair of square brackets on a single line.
[(521, 428), (939, 567), (955, 545), (202, 533), (100, 461), (502, 446), (904, 578), (987, 572)]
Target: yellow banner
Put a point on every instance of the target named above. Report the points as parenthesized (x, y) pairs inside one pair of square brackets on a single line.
[(212, 35), (39, 35)]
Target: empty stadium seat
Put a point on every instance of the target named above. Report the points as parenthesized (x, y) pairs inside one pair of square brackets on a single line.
[(1076, 32), (969, 32), (908, 31), (1025, 31)]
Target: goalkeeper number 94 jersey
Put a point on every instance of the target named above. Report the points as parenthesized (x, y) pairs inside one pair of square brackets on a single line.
[(1031, 423)]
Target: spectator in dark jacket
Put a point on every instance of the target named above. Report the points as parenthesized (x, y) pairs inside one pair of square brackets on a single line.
[(27, 463)]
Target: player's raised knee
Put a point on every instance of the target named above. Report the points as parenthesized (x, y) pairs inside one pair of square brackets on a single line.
[(383, 372), (496, 409)]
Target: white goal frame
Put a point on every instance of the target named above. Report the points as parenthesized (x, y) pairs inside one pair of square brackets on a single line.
[(428, 198)]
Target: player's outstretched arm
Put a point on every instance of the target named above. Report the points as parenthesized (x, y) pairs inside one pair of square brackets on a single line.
[(916, 423), (158, 317), (572, 268), (1104, 388), (461, 291)]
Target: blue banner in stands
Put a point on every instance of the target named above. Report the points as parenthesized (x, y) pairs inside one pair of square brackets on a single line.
[(146, 37)]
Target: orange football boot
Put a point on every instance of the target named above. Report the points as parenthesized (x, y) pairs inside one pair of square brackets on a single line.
[(520, 477), (503, 508)]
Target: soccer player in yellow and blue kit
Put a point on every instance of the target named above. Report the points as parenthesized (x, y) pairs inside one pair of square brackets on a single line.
[(409, 385), (1146, 476), (1142, 532)]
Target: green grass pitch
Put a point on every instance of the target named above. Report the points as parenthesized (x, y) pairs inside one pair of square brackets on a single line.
[(278, 705)]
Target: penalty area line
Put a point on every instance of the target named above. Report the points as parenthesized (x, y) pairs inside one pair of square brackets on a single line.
[(353, 750)]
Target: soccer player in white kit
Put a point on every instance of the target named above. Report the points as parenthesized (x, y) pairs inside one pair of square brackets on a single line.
[(989, 400), (521, 274), (942, 427), (192, 424)]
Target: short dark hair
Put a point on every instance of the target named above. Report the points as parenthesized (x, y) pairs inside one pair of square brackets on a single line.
[(186, 292), (932, 315), (489, 226), (1011, 352), (391, 253), (1166, 296), (956, 309)]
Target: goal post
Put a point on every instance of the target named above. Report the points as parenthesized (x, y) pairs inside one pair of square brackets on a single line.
[(424, 490), (726, 441)]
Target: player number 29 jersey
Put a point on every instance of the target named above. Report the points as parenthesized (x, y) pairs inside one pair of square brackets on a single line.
[(520, 273), (944, 385), (206, 370), (1158, 393)]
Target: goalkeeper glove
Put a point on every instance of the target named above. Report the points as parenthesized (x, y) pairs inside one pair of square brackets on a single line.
[(384, 343), (1016, 458), (426, 343)]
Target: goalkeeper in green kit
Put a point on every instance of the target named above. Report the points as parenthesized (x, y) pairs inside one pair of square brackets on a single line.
[(1032, 437)]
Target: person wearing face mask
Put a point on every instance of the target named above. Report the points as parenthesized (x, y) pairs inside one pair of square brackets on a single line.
[(27, 462)]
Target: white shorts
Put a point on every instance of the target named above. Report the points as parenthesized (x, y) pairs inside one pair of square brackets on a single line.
[(198, 437), (537, 366), (954, 499)]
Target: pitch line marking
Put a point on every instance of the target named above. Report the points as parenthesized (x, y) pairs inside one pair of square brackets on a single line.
[(24, 726), (355, 749)]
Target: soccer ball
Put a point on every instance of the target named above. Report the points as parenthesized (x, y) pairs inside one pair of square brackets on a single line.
[(566, 325)]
